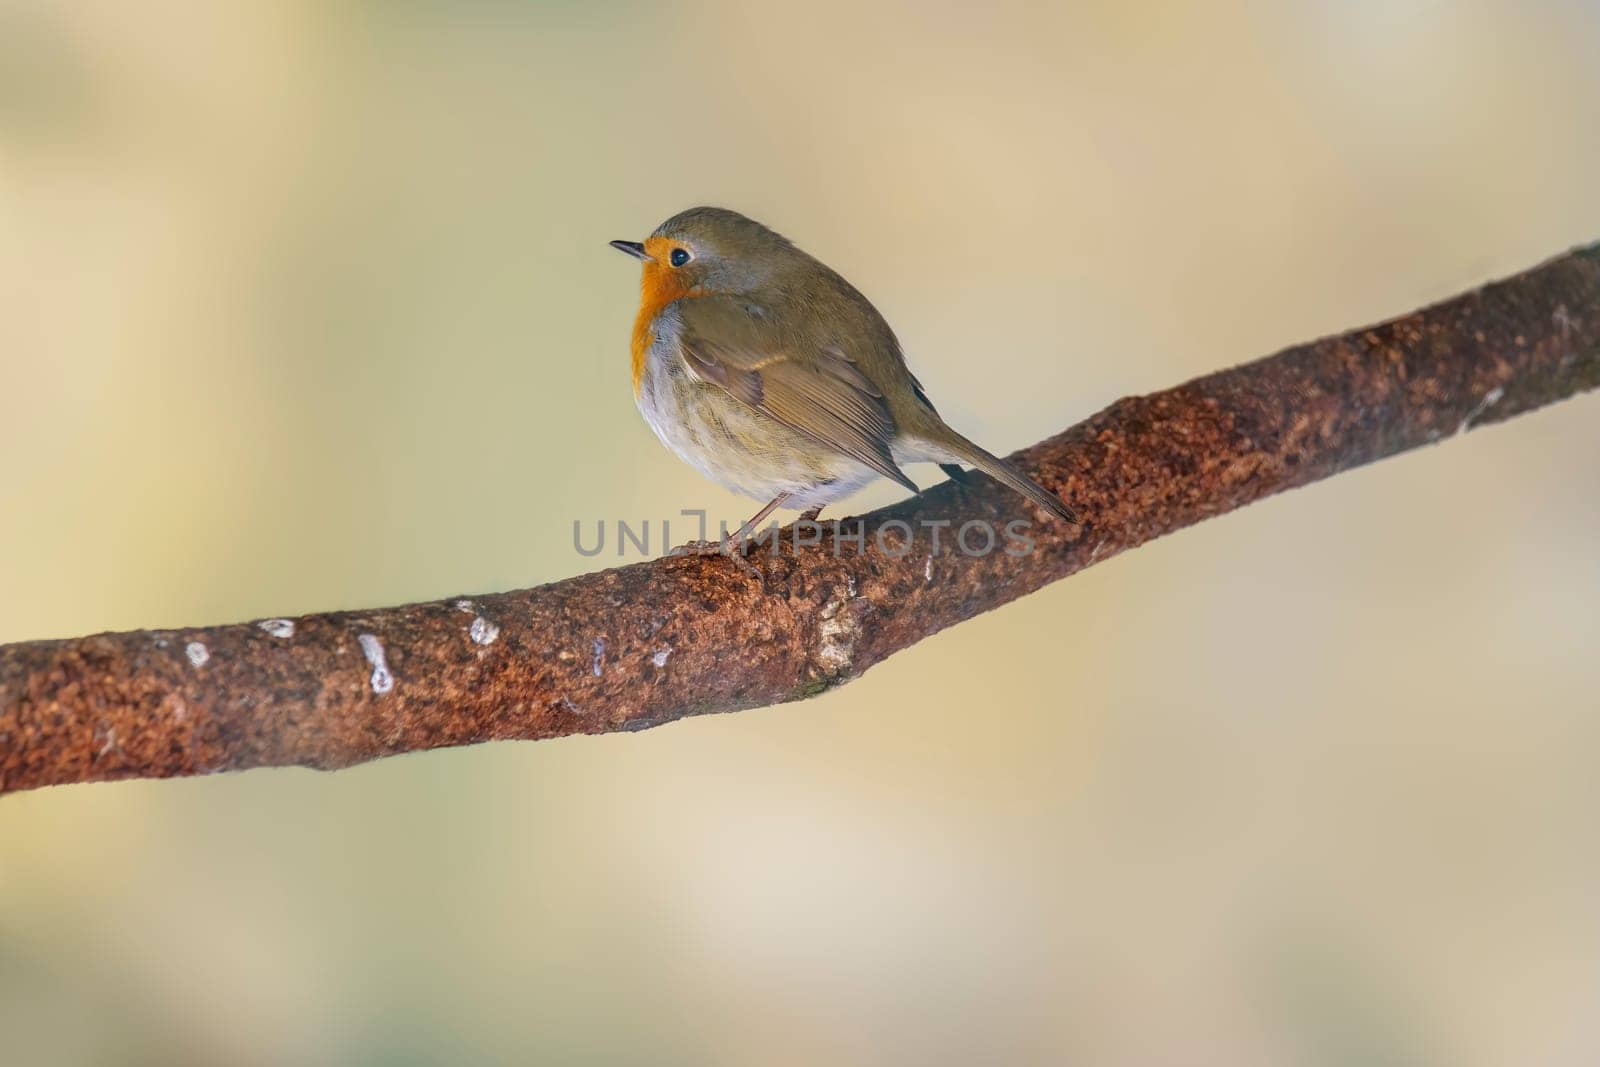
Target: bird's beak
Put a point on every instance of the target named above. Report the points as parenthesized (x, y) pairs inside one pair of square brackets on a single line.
[(634, 249)]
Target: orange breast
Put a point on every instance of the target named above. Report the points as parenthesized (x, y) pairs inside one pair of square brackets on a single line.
[(659, 286)]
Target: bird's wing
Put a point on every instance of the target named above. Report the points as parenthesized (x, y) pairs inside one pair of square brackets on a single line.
[(815, 389)]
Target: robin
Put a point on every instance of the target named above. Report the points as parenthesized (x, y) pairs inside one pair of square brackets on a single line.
[(774, 377)]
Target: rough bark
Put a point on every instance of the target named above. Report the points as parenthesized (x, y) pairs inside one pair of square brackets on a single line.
[(642, 645)]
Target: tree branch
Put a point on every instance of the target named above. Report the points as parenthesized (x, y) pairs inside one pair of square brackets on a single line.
[(642, 645)]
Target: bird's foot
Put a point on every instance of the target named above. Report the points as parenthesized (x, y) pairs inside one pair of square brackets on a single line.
[(734, 550)]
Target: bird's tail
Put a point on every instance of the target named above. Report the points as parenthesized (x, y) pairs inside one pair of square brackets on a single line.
[(958, 448)]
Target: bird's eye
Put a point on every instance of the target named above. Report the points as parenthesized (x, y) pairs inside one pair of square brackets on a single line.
[(678, 258)]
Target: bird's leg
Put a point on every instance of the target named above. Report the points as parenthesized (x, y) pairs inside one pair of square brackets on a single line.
[(734, 545)]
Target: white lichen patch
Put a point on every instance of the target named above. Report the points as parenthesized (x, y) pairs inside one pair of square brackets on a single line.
[(282, 628), (482, 631), (1490, 399), (198, 654), (837, 634), (1565, 321), (466, 606), (661, 656), (372, 648), (597, 663)]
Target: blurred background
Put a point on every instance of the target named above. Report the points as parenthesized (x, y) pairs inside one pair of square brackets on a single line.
[(308, 306)]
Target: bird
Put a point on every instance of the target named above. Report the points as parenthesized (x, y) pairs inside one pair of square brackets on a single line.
[(770, 374)]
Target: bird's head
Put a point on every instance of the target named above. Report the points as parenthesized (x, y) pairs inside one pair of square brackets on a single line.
[(708, 250)]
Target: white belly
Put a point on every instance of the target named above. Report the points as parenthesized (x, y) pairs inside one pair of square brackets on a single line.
[(735, 445)]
